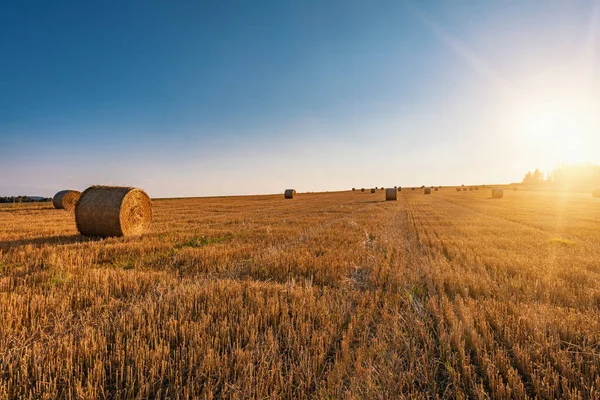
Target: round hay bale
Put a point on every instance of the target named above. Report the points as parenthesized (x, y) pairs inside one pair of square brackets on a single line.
[(113, 211), (372, 190), (66, 199), (497, 193), (362, 189), (399, 188), (289, 193), (391, 194), (458, 189), (427, 190), (353, 189), (436, 189), (596, 193)]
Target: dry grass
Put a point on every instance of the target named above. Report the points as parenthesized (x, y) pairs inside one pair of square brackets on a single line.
[(334, 295)]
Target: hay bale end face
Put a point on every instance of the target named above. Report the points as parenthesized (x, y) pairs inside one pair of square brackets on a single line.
[(391, 194), (353, 189), (289, 193), (497, 193), (427, 190), (107, 211), (372, 190), (66, 199), (362, 189), (596, 193)]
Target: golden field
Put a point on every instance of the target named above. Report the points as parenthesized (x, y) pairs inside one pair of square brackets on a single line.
[(329, 295)]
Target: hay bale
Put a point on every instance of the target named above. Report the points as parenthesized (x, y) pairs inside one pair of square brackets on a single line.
[(436, 189), (362, 189), (458, 189), (372, 190), (470, 188), (353, 189), (289, 193), (427, 190), (497, 193), (66, 199), (399, 188), (596, 193), (113, 211), (391, 194)]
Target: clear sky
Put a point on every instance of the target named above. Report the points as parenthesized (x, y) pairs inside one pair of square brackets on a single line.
[(198, 98)]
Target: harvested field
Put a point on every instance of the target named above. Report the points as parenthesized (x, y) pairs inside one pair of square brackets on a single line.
[(329, 296)]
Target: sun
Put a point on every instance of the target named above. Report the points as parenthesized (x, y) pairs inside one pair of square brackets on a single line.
[(559, 126)]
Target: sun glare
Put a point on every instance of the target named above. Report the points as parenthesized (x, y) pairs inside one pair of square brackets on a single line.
[(561, 126)]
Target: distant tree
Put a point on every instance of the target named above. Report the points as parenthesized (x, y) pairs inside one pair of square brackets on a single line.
[(534, 178)]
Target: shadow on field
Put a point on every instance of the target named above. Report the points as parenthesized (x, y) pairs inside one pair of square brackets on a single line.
[(49, 240)]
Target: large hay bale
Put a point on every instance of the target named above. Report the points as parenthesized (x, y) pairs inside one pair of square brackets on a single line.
[(391, 194), (113, 211), (427, 190), (372, 190), (289, 193), (497, 193), (66, 199), (596, 193)]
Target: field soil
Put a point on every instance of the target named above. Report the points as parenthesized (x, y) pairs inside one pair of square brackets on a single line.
[(328, 295)]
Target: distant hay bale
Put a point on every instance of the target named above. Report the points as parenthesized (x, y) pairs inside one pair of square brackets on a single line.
[(497, 193), (66, 199), (372, 190), (436, 189), (289, 193), (413, 188), (353, 189), (391, 194), (596, 193), (399, 188), (464, 189), (427, 190), (476, 187), (470, 188), (113, 211), (362, 189), (458, 189)]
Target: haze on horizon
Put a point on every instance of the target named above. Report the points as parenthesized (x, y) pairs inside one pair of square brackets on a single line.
[(217, 98)]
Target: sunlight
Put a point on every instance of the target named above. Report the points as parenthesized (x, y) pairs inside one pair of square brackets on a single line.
[(560, 124)]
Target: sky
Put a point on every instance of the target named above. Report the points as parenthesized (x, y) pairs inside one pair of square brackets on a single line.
[(189, 98)]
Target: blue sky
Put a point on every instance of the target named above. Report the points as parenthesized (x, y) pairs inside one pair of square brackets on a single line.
[(189, 98)]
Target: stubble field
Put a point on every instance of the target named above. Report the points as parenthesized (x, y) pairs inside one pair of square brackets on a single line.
[(331, 295)]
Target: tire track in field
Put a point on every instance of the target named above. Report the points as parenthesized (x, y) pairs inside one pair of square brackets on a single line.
[(424, 222)]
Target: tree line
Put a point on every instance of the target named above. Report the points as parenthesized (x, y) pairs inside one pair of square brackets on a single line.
[(23, 199), (584, 176)]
